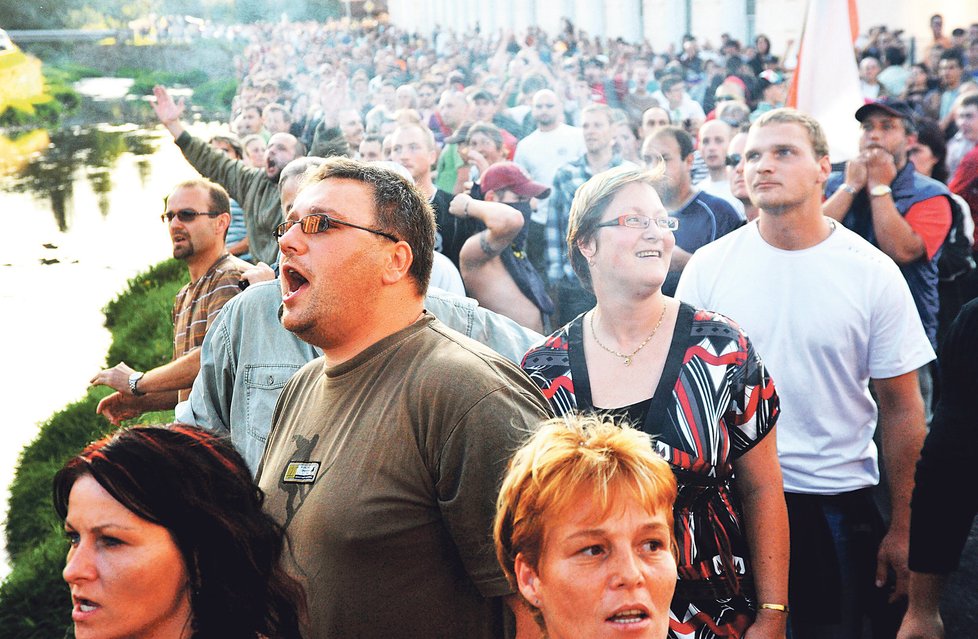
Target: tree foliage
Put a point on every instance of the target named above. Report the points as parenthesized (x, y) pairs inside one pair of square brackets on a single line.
[(79, 14)]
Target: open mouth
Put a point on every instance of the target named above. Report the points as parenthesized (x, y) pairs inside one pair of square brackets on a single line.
[(629, 616), (651, 253), (82, 608), (292, 282)]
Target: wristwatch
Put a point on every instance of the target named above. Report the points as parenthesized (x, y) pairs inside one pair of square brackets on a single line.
[(880, 189), (848, 188), (133, 380)]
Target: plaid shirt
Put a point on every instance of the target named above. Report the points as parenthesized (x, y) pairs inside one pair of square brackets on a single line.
[(566, 182), (198, 303)]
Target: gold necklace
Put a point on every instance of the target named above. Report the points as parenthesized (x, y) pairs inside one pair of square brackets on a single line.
[(628, 358)]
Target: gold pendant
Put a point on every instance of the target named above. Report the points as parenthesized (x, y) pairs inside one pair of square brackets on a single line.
[(628, 361)]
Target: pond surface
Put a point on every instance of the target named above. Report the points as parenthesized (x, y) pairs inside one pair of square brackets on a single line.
[(79, 209)]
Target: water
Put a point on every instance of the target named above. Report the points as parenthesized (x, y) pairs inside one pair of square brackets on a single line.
[(79, 218)]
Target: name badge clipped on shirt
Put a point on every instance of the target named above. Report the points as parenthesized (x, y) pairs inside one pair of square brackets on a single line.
[(301, 472)]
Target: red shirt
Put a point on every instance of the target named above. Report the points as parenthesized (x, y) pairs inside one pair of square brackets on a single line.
[(965, 183)]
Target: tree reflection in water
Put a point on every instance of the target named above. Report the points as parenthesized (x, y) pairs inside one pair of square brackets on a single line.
[(74, 152)]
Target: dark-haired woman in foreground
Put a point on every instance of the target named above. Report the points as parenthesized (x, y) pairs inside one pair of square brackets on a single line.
[(168, 540)]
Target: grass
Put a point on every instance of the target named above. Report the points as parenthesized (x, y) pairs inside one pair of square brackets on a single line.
[(33, 599)]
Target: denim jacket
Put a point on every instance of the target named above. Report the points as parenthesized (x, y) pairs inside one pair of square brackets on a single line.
[(247, 357)]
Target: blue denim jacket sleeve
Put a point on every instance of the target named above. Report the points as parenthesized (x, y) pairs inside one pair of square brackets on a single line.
[(498, 332), (246, 359)]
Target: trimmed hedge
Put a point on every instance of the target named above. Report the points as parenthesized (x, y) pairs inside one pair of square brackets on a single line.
[(34, 600)]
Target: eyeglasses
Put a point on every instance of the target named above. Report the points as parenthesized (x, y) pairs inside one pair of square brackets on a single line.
[(320, 223), (734, 159), (186, 215), (724, 98), (635, 221)]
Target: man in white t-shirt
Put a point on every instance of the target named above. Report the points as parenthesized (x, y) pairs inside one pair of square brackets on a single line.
[(830, 314), (552, 145)]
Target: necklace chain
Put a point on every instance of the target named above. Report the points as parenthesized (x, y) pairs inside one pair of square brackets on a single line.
[(628, 358)]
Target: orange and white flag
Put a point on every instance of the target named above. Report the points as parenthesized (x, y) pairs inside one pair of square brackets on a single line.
[(826, 80)]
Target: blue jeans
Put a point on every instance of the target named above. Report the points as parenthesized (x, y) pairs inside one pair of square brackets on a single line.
[(854, 529)]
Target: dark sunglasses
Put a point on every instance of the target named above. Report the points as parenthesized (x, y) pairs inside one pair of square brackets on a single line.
[(320, 222), (734, 159), (186, 215)]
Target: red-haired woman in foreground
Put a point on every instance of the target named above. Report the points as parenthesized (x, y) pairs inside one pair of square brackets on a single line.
[(584, 530)]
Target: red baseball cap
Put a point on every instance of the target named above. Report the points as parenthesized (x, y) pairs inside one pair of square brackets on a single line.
[(512, 177)]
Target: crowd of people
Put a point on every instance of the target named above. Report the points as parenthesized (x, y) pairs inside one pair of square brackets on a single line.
[(445, 242)]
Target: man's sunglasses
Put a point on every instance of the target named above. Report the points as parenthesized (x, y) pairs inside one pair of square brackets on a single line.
[(186, 215), (734, 159), (320, 222)]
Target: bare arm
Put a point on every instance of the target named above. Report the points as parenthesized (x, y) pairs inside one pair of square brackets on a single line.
[(118, 407), (901, 419), (838, 205), (175, 375), (894, 234), (239, 247), (761, 491), (923, 618), (503, 224)]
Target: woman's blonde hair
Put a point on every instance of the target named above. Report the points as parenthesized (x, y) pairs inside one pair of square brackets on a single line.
[(569, 455)]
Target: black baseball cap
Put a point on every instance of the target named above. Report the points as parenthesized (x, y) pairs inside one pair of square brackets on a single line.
[(889, 106)]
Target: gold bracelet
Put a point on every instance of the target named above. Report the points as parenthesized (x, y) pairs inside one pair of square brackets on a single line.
[(769, 606)]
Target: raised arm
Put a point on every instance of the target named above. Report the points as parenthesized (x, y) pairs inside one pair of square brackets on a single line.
[(503, 224), (168, 111)]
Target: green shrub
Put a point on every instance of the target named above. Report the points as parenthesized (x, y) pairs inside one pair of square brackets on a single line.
[(215, 95), (139, 338), (34, 601), (144, 81), (65, 433)]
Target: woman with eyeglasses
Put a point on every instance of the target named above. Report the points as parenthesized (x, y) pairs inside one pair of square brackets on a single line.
[(691, 379)]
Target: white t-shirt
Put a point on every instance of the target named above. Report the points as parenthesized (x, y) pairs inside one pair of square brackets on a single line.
[(445, 276), (543, 152), (825, 320)]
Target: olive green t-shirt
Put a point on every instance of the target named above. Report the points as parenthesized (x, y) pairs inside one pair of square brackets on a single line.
[(385, 469)]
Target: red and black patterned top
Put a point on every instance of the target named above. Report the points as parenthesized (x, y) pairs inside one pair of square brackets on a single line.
[(714, 402)]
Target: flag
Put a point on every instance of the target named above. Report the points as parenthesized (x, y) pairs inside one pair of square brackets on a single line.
[(826, 80)]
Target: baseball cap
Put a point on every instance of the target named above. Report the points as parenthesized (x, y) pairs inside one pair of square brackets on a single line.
[(771, 76), (889, 106), (482, 94), (512, 177), (460, 135)]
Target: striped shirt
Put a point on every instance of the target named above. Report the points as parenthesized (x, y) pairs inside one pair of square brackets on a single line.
[(198, 303), (567, 180)]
